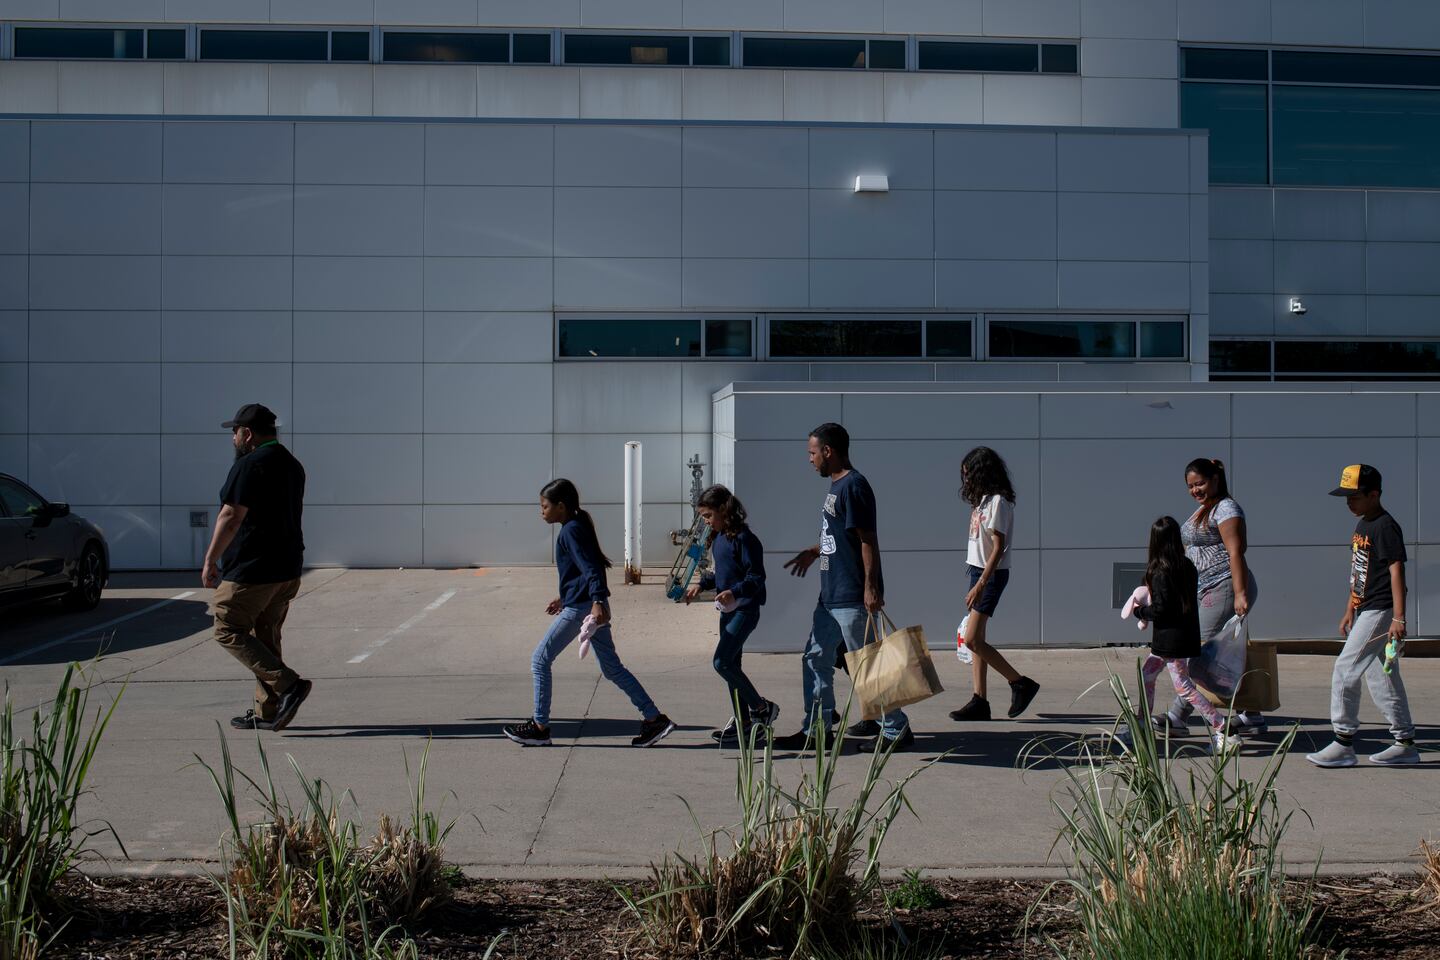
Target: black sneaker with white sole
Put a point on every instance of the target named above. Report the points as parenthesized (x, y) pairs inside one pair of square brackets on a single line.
[(768, 715), (289, 703), (250, 722), (527, 734), (653, 731)]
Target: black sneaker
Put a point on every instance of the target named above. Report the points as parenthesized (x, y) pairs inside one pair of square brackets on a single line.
[(865, 728), (768, 715), (250, 722), (1166, 723), (653, 731), (728, 734), (899, 744), (977, 709), (1022, 691), (290, 702), (798, 741), (528, 734)]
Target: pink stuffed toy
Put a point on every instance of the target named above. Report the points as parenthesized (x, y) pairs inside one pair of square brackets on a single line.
[(587, 630), (1140, 598)]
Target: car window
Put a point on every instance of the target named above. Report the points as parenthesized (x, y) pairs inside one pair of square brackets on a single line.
[(18, 501)]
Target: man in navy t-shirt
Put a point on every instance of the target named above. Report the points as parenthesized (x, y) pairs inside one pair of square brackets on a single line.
[(851, 588)]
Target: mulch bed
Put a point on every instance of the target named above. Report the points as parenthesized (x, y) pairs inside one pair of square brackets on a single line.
[(183, 918)]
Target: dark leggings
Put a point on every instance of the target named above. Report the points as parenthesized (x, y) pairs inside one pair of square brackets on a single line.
[(735, 628)]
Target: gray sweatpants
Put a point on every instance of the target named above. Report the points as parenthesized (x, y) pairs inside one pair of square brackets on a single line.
[(1217, 606), (1364, 657)]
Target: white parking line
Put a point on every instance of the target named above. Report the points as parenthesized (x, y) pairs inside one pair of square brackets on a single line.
[(89, 631), (435, 605)]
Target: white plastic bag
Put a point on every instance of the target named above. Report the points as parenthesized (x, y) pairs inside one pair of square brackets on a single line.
[(963, 652), (1221, 663)]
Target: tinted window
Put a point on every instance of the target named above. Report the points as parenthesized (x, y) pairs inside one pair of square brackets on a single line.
[(1373, 357), (711, 51), (532, 47), (350, 45), (446, 47), (887, 55), (62, 43), (781, 52), (844, 338), (1367, 68), (1234, 113), (18, 501), (1239, 359), (1059, 58), (1204, 64), (1356, 136), (948, 338), (728, 338), (1162, 340), (640, 50), (989, 57), (647, 337), (263, 45), (165, 44), (1062, 338)]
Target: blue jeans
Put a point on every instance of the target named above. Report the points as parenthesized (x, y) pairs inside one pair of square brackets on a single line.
[(828, 630), (735, 628), (564, 629)]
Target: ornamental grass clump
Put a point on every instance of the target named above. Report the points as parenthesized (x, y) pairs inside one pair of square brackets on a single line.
[(41, 835), (795, 865), (1175, 855), (309, 885)]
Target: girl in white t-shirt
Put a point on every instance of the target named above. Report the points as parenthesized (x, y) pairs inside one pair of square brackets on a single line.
[(986, 487)]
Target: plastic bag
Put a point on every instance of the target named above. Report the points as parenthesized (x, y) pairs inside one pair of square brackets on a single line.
[(964, 653), (1221, 663)]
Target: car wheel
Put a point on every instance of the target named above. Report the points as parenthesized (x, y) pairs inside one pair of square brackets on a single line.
[(89, 580)]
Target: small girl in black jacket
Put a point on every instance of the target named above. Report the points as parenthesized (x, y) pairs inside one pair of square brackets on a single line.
[(1175, 625), (740, 579)]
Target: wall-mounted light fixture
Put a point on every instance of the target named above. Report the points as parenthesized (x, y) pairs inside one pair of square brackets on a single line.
[(1297, 306), (872, 183)]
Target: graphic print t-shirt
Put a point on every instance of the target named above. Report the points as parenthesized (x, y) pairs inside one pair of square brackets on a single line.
[(1204, 545), (848, 507), (1375, 546), (994, 515)]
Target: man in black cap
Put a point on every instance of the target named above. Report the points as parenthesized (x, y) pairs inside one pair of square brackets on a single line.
[(253, 563)]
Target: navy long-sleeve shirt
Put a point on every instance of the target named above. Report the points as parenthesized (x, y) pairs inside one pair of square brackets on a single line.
[(582, 572), (739, 568)]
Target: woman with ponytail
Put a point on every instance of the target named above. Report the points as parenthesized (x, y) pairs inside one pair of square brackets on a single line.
[(1215, 541), (581, 610)]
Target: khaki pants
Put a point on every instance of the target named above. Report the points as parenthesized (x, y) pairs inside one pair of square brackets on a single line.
[(248, 618)]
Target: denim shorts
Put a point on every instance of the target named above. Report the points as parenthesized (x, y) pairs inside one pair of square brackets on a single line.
[(990, 596)]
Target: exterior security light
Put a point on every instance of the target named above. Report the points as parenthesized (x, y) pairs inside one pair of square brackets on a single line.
[(872, 183), (1297, 306)]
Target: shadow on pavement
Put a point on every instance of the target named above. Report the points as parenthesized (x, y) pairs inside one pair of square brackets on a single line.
[(487, 728), (28, 630)]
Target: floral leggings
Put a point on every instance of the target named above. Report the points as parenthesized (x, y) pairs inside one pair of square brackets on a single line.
[(1184, 686)]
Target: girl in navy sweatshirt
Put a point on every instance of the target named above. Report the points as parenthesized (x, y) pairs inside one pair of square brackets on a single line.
[(584, 599), (740, 579)]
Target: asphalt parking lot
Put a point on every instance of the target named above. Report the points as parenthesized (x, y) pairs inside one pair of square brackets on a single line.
[(400, 657)]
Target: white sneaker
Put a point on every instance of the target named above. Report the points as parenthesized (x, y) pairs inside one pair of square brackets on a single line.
[(1222, 742), (1335, 755), (1395, 755)]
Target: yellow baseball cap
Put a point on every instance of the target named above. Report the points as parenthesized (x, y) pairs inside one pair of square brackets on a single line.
[(1357, 478)]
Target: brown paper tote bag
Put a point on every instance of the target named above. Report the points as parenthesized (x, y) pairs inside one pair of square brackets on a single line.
[(892, 672)]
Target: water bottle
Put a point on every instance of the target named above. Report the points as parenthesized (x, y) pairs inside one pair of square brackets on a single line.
[(961, 650)]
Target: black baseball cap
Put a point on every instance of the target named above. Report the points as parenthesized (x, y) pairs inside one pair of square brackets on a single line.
[(252, 415), (1357, 478)]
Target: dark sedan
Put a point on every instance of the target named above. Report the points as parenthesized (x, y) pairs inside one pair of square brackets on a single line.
[(47, 552)]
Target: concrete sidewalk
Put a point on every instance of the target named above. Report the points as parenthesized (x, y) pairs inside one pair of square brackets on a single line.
[(399, 656)]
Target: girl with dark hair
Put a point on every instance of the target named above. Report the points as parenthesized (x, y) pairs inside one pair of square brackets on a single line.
[(985, 485), (739, 576), (1174, 613), (1215, 541), (582, 608)]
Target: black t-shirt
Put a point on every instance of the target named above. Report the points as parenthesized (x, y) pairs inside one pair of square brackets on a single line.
[(1375, 546), (270, 483), (849, 507)]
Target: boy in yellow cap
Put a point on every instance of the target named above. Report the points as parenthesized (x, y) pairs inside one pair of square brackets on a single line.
[(1374, 616)]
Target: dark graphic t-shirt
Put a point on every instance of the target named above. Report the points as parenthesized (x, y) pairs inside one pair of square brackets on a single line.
[(269, 547), (849, 507), (1375, 546)]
